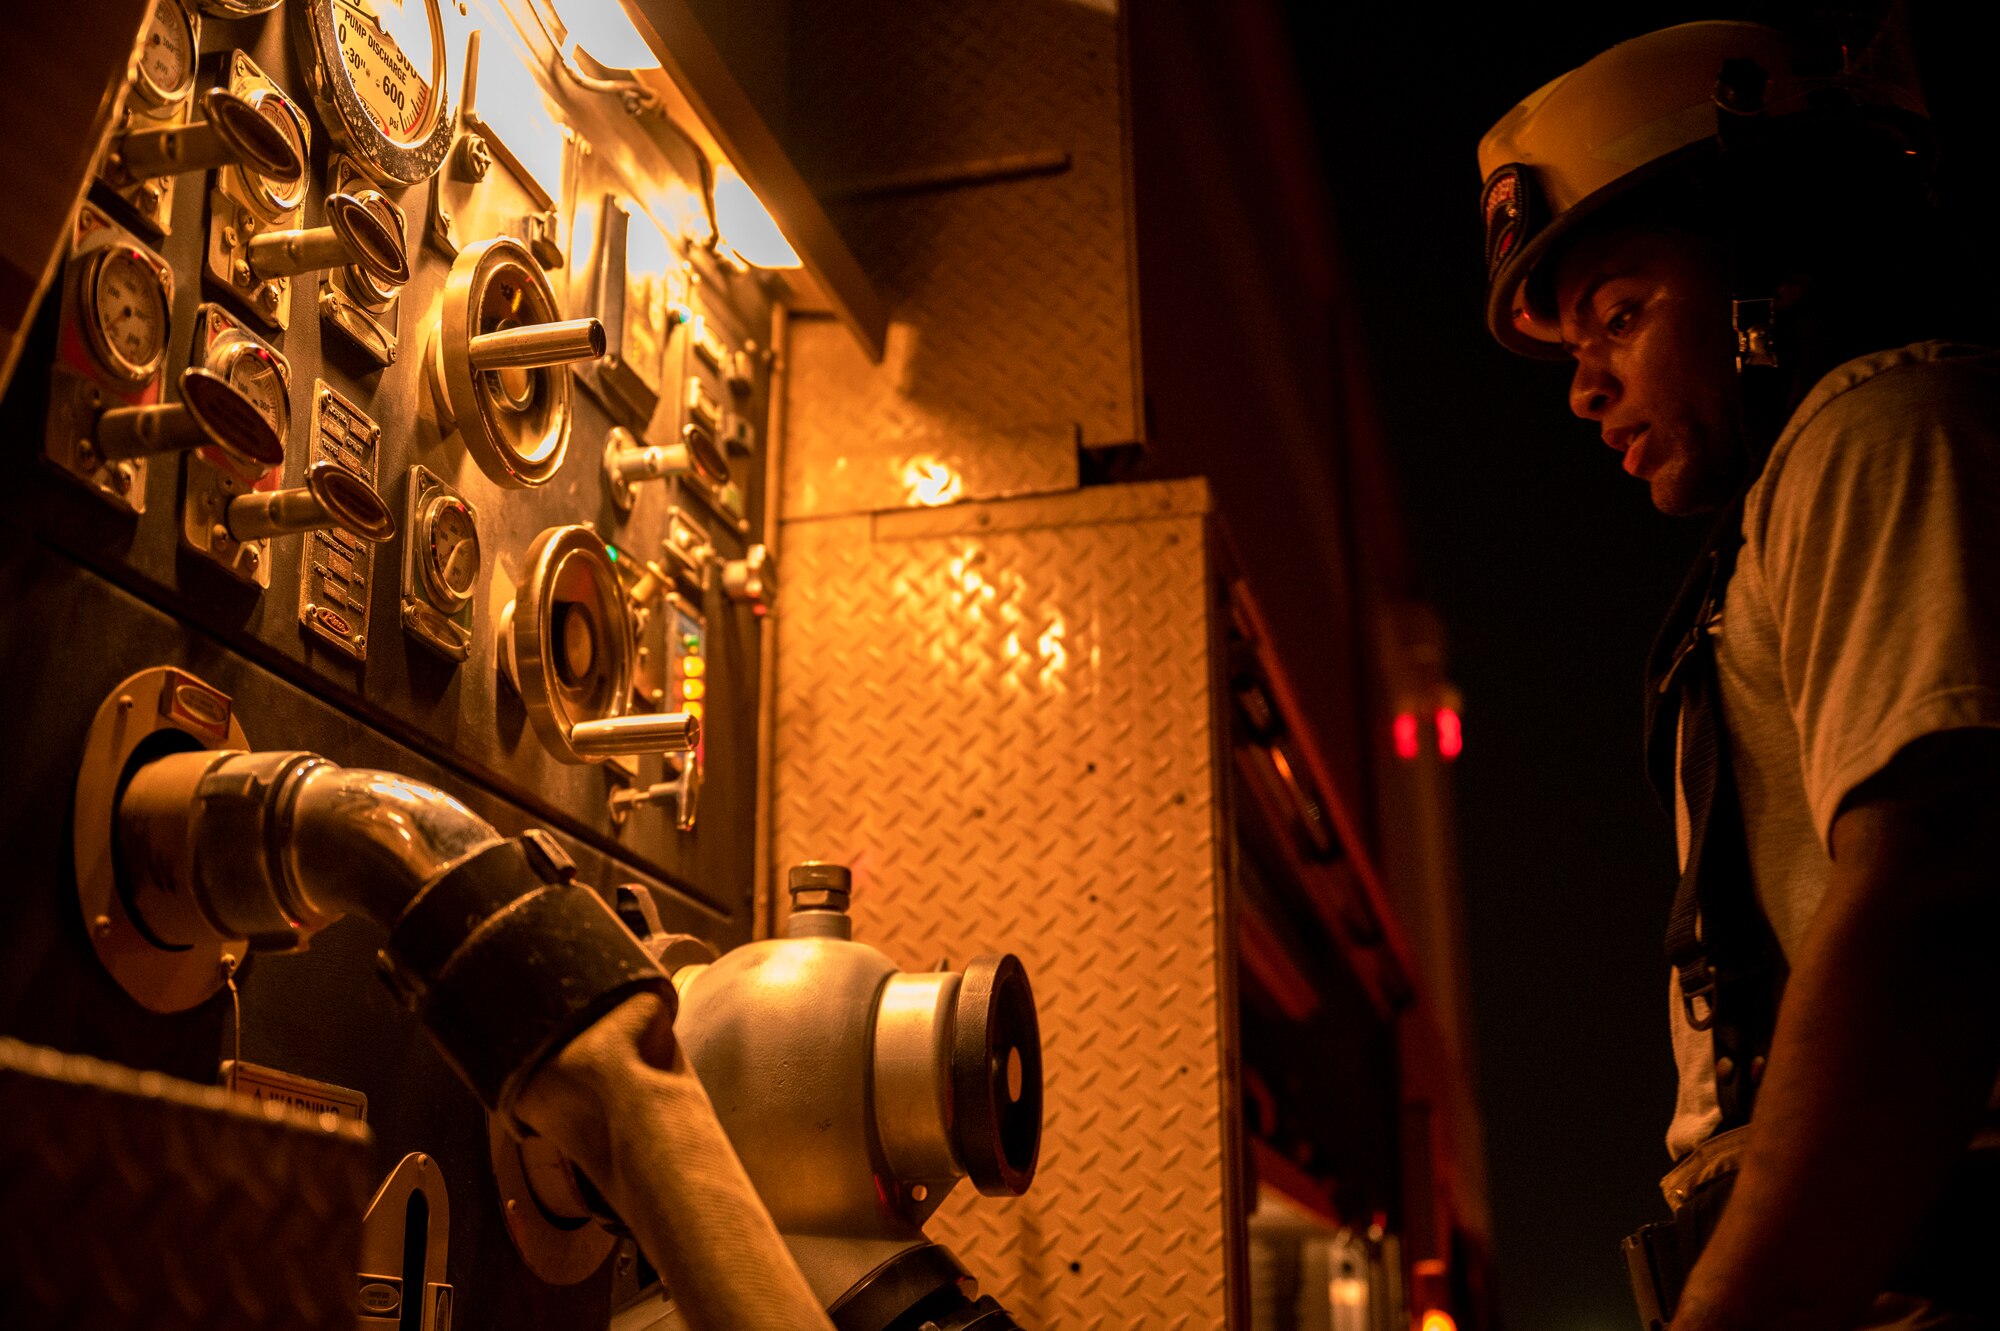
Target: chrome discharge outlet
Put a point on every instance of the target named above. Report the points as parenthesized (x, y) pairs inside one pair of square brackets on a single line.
[(858, 1095), (490, 941)]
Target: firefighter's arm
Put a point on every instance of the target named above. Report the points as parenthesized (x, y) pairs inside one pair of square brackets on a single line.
[(1886, 1048)]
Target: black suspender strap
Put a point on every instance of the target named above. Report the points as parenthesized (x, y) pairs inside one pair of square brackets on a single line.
[(1729, 967)]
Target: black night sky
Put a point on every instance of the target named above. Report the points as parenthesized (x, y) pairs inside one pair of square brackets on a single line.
[(1550, 569)]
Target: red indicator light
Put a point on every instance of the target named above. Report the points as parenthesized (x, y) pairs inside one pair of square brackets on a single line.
[(1406, 736), (1451, 735)]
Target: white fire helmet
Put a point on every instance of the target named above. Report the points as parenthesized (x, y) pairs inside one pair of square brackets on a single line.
[(1634, 113)]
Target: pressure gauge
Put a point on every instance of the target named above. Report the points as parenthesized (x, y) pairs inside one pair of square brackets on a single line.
[(125, 309), (277, 199), (378, 74), (448, 550), (256, 374), (164, 72)]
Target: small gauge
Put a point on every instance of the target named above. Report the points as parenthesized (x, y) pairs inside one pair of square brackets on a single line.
[(256, 373), (380, 80), (126, 308), (449, 549), (275, 198), (164, 71)]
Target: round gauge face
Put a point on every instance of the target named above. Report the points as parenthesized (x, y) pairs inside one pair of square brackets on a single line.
[(280, 196), (254, 373), (389, 48), (125, 309), (166, 54), (451, 548)]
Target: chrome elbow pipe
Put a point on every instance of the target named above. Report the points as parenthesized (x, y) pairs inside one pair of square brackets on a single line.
[(273, 847), (491, 943)]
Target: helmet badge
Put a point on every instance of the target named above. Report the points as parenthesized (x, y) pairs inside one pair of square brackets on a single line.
[(1511, 208)]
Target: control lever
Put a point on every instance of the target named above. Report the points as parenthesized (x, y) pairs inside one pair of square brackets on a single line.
[(567, 647), (680, 793), (333, 496), (211, 411), (536, 345), (360, 230), (753, 579), (628, 462), (616, 736), (233, 133), (498, 359)]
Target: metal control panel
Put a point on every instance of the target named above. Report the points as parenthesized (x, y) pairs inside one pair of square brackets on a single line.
[(393, 385)]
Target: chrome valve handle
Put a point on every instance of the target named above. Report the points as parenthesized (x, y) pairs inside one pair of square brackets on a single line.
[(360, 230), (332, 496), (537, 345), (211, 411), (498, 363), (566, 644), (233, 134)]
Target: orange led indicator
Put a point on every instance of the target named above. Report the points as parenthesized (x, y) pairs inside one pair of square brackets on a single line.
[(691, 666), (693, 688), (1438, 1320), (692, 709)]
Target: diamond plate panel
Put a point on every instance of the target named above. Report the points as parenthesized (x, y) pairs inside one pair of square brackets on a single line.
[(140, 1202), (1016, 335), (999, 715)]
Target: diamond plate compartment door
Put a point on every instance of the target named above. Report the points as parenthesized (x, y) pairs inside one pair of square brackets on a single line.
[(1001, 716), (976, 159), (133, 1199)]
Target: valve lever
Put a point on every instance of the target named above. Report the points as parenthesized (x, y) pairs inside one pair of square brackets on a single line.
[(333, 496), (533, 346), (233, 134), (211, 411), (359, 230)]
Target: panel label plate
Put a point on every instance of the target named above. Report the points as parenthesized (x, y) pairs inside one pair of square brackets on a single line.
[(293, 1091)]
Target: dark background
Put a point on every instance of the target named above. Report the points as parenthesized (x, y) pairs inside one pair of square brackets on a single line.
[(1550, 569)]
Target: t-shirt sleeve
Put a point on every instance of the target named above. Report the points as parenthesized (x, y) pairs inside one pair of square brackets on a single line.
[(1881, 549)]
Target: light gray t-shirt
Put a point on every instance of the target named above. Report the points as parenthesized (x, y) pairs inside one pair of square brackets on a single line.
[(1864, 613)]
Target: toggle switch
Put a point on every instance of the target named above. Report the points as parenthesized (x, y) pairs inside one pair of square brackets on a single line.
[(211, 411), (627, 462), (360, 230), (333, 496), (234, 133)]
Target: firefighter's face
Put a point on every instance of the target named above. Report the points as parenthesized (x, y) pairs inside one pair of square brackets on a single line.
[(1645, 313)]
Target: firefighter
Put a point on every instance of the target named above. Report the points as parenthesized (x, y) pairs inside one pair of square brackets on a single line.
[(1725, 228)]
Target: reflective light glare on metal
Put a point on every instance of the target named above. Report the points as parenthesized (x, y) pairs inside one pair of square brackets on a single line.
[(1406, 736), (232, 132), (605, 32), (929, 482), (211, 411), (1450, 733), (332, 496), (746, 225)]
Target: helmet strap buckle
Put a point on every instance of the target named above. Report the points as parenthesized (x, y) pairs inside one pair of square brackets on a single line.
[(1756, 343)]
